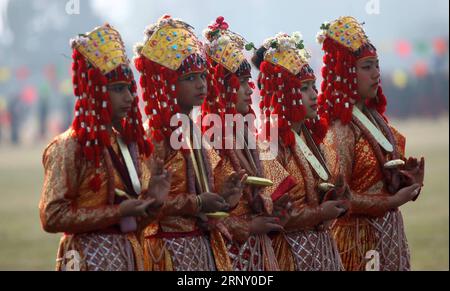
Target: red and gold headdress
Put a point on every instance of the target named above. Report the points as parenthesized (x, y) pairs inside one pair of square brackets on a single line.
[(170, 50), (344, 43), (99, 59), (227, 63), (283, 69)]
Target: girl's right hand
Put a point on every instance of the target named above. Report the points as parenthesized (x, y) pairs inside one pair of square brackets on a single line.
[(212, 202), (405, 195), (264, 225), (333, 209)]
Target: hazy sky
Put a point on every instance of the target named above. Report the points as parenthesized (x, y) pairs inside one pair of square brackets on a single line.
[(257, 20), (2, 14)]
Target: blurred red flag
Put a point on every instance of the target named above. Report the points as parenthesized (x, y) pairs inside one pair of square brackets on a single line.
[(420, 69), (50, 72), (440, 46), (403, 48), (29, 95), (22, 73)]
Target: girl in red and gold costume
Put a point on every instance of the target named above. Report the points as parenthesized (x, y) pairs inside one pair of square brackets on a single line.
[(249, 247), (289, 103), (174, 77), (94, 172), (371, 152)]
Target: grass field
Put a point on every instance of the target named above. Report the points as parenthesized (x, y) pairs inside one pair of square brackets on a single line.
[(24, 246)]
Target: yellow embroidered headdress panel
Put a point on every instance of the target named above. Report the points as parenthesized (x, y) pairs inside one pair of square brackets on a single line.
[(225, 47), (171, 41), (103, 48), (345, 30), (287, 51)]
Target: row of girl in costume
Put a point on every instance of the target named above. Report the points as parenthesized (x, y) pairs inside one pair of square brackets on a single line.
[(327, 200)]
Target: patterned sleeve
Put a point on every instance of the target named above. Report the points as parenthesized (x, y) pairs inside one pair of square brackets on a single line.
[(58, 209), (238, 223), (179, 203), (145, 181), (238, 227), (361, 203), (302, 215)]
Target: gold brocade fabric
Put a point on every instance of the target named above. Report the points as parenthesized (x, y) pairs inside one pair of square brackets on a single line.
[(68, 204), (180, 203), (275, 172), (304, 196), (179, 215), (305, 214), (355, 234), (240, 250)]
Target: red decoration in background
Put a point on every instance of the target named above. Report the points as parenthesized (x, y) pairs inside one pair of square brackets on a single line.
[(29, 95), (50, 72), (440, 46), (220, 24), (403, 48), (420, 69), (5, 118), (22, 73)]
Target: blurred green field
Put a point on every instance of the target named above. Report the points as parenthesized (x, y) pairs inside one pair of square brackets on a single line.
[(24, 245)]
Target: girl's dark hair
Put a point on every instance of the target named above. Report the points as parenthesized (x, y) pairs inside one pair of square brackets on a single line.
[(258, 57)]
